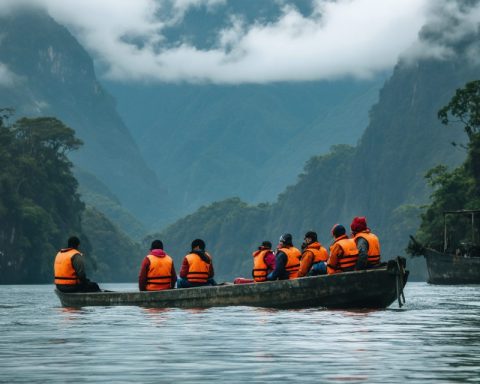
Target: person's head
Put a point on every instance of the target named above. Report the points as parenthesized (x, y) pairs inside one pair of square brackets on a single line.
[(198, 245), (310, 237), (338, 230), (73, 242), (156, 244), (265, 245), (359, 224), (286, 240)]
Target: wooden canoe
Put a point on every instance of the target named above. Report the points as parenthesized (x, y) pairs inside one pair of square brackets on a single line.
[(375, 288)]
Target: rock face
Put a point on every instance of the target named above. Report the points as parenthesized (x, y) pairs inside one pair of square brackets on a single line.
[(50, 74), (381, 178), (250, 141)]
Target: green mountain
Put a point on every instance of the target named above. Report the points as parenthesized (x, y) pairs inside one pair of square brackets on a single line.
[(381, 178), (52, 75), (207, 142), (194, 143)]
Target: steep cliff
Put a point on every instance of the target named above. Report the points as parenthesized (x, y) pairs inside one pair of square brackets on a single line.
[(52, 75), (381, 178)]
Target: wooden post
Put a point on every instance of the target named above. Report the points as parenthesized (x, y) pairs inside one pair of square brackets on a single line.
[(444, 232), (473, 228)]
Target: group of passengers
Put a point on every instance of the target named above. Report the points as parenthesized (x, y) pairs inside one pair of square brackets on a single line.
[(157, 272)]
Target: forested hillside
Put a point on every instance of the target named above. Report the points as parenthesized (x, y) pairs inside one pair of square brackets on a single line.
[(38, 199), (381, 178), (207, 142), (40, 207), (200, 142), (458, 189), (52, 75)]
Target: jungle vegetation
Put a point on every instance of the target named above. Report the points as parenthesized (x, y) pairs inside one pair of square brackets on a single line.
[(40, 206), (457, 189)]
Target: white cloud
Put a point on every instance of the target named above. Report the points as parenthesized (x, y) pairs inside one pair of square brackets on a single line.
[(449, 22), (338, 39), (7, 77)]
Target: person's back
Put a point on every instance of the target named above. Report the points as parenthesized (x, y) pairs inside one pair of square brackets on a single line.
[(287, 261), (157, 271), (314, 257), (69, 270), (343, 252), (197, 267), (263, 262), (367, 244)]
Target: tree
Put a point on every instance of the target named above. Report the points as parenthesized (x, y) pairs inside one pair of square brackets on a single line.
[(464, 108), (47, 133), (39, 203), (458, 189)]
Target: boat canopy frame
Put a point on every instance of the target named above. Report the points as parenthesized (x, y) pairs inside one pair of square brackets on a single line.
[(471, 212)]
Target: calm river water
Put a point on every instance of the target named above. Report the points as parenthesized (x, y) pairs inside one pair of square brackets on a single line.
[(434, 338)]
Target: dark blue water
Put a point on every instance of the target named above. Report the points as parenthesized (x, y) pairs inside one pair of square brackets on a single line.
[(434, 338)]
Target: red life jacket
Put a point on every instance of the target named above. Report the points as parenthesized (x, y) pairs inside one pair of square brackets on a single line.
[(159, 274), (373, 246), (63, 268)]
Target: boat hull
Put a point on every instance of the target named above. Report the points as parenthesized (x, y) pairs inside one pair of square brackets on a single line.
[(363, 289), (450, 269)]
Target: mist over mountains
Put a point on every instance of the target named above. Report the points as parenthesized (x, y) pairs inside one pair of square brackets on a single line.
[(382, 177), (186, 144), (191, 123), (210, 142)]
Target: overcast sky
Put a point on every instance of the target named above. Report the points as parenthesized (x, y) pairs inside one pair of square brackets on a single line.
[(343, 38)]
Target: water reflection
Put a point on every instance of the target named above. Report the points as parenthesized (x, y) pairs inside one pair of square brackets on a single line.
[(435, 338)]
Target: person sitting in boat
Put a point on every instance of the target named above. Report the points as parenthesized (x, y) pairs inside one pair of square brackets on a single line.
[(314, 257), (197, 267), (263, 262), (157, 271), (368, 244), (69, 269), (343, 252), (287, 260)]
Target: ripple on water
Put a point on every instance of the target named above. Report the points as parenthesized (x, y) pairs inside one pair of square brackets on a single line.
[(434, 338)]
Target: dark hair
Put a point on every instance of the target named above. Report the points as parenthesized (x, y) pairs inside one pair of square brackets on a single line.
[(156, 244), (311, 235), (266, 244), (198, 243), (286, 239), (73, 242), (338, 230)]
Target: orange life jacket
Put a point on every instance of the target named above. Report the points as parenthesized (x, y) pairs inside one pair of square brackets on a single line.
[(348, 259), (293, 261), (260, 268), (63, 268), (373, 246), (319, 252), (198, 270), (159, 274)]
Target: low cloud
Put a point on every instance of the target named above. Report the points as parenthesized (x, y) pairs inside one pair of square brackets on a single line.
[(7, 77), (343, 38), (449, 23)]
